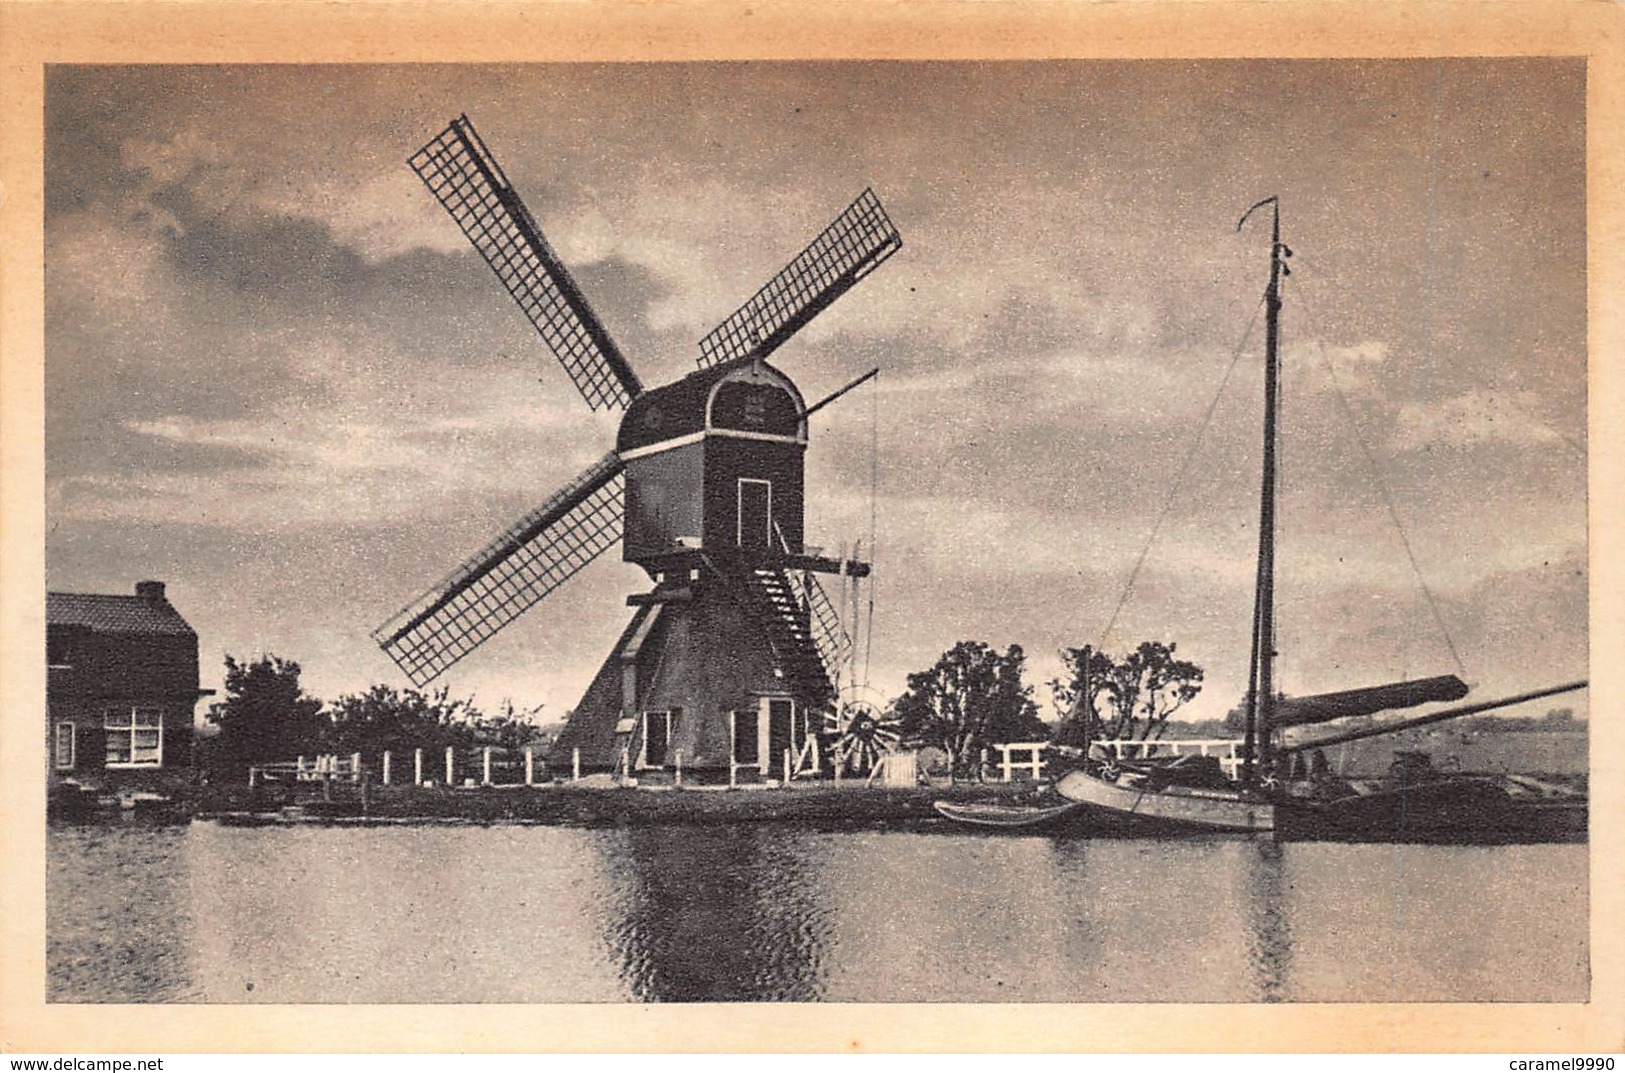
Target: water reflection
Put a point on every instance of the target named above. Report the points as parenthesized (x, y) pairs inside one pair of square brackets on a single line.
[(719, 914), (1270, 938), (774, 912), (956, 918)]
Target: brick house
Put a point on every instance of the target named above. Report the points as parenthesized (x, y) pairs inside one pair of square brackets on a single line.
[(122, 687)]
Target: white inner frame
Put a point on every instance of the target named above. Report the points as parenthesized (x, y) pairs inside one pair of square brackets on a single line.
[(127, 721), (772, 766), (71, 739), (643, 746), (739, 512)]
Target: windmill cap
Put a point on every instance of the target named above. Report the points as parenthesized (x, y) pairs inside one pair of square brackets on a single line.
[(685, 407)]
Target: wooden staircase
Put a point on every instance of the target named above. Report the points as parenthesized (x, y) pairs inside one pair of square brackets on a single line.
[(804, 630)]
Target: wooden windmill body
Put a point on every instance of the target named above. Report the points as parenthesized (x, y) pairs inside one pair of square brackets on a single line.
[(732, 658)]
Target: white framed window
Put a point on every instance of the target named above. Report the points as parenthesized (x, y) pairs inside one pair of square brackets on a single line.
[(65, 747), (135, 737)]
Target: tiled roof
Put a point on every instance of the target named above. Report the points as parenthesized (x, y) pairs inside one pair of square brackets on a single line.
[(113, 614)]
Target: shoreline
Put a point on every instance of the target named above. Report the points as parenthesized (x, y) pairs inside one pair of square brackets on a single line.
[(564, 804)]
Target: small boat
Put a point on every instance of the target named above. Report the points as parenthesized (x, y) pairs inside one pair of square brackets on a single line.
[(1002, 814)]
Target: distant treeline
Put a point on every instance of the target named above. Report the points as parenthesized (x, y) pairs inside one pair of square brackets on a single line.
[(1556, 719), (971, 698), (266, 715)]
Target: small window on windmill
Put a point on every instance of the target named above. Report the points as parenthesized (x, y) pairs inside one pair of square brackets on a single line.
[(755, 408), (66, 746)]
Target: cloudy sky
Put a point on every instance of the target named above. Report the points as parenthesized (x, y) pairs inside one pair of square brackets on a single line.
[(278, 379)]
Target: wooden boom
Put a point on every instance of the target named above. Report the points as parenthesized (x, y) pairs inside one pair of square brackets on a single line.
[(1434, 717)]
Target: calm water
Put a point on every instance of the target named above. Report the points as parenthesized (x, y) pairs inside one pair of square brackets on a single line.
[(550, 914)]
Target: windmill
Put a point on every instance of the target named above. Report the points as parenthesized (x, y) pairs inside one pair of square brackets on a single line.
[(733, 656)]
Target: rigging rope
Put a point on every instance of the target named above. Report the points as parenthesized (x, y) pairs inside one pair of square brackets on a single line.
[(874, 478), (1375, 473), (1388, 501), (1184, 467)]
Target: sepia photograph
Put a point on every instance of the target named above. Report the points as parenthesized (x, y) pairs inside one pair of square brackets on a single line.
[(816, 531)]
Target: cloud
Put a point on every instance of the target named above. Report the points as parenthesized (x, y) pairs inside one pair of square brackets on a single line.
[(1477, 417), (277, 376), (116, 268)]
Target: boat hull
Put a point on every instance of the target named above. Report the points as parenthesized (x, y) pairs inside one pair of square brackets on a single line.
[(1119, 808), (1004, 816), (1463, 810)]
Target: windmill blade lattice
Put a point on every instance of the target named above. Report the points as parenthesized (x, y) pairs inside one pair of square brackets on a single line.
[(847, 250), (508, 576), (465, 177), (860, 734)]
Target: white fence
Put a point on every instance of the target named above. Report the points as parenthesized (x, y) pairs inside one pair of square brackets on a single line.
[(1228, 750), (495, 767)]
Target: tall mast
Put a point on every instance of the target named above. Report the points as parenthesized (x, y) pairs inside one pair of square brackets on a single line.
[(1256, 745)]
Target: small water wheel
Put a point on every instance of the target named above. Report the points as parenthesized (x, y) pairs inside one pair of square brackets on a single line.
[(861, 734)]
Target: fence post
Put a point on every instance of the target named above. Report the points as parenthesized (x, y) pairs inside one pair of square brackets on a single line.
[(417, 767), (787, 767), (386, 767), (355, 767), (575, 764), (679, 757), (733, 744), (451, 761), (253, 777), (530, 765), (299, 770), (1004, 751), (485, 767)]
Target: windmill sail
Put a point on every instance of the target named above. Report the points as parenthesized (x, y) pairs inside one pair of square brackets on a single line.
[(847, 250), (465, 177), (508, 576)]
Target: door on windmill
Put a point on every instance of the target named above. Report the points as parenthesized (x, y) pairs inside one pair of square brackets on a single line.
[(745, 749), (657, 732), (783, 726), (755, 514)]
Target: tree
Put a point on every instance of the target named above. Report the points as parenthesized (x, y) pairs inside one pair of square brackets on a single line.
[(1562, 718), (384, 718), (266, 714), (1078, 697), (511, 728), (400, 720), (1147, 686), (972, 697)]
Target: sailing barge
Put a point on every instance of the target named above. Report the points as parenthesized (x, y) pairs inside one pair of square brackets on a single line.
[(1277, 791)]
